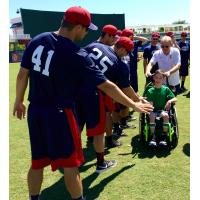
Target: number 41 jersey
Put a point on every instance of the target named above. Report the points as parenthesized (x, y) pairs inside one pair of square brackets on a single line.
[(111, 66), (57, 70)]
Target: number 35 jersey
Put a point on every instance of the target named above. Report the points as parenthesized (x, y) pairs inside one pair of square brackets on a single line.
[(57, 70), (111, 66)]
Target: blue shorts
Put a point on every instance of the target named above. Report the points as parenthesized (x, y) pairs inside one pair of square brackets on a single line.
[(91, 110), (183, 71), (55, 137)]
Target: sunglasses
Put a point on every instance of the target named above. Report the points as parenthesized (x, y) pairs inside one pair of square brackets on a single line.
[(183, 36), (155, 39), (164, 46)]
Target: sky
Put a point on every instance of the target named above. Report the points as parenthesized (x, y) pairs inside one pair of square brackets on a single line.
[(137, 12)]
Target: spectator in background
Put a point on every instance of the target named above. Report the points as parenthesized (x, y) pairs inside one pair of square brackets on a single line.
[(171, 35), (184, 46), (149, 51)]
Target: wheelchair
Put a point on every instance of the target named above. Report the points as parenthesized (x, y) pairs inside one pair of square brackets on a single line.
[(144, 127)]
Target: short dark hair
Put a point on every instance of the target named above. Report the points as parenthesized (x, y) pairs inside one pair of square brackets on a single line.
[(103, 34), (67, 25), (158, 71), (118, 46)]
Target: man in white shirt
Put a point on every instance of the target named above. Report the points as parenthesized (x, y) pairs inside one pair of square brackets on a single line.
[(169, 61)]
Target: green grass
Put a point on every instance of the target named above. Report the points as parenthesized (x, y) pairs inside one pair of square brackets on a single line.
[(139, 175)]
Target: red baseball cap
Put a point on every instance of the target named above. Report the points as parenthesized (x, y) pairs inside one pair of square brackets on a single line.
[(155, 35), (126, 43), (184, 34), (78, 15), (127, 32), (110, 29), (119, 32), (170, 34)]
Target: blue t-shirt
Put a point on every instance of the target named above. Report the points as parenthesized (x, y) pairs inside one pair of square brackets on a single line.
[(134, 55), (184, 51), (58, 68), (111, 66), (148, 53)]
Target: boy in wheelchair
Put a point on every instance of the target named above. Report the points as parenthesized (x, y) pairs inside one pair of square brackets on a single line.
[(161, 98)]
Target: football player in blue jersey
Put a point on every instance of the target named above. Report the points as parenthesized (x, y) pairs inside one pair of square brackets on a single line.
[(108, 61), (56, 68), (184, 46), (149, 51), (133, 56), (174, 42), (131, 60), (109, 35)]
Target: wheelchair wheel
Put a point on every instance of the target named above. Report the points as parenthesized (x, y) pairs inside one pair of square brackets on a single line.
[(175, 136), (141, 127)]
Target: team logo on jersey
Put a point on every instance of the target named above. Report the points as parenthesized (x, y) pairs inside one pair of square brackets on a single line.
[(185, 48)]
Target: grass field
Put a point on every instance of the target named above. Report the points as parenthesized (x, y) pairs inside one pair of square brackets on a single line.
[(139, 175)]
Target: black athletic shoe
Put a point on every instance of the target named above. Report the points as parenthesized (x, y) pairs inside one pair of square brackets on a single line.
[(113, 144), (124, 126), (130, 118), (183, 89), (107, 164), (163, 140), (118, 132), (163, 143), (152, 143)]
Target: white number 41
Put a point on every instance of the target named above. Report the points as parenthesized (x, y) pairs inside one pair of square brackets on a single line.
[(36, 59)]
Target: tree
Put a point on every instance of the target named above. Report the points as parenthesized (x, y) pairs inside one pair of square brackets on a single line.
[(161, 29)]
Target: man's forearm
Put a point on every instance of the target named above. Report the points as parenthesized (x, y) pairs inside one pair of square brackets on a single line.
[(145, 63), (148, 68), (115, 93), (140, 38), (174, 68), (129, 91)]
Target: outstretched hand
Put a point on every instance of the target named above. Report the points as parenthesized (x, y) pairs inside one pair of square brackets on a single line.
[(143, 100), (143, 107)]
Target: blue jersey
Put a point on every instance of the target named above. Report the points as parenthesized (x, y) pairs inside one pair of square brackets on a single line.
[(134, 55), (184, 51), (57, 68), (148, 53), (110, 65)]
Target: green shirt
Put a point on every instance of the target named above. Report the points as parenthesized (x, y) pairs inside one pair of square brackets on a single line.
[(159, 96)]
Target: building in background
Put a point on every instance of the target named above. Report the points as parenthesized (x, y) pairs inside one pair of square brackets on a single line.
[(176, 28), (17, 40)]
